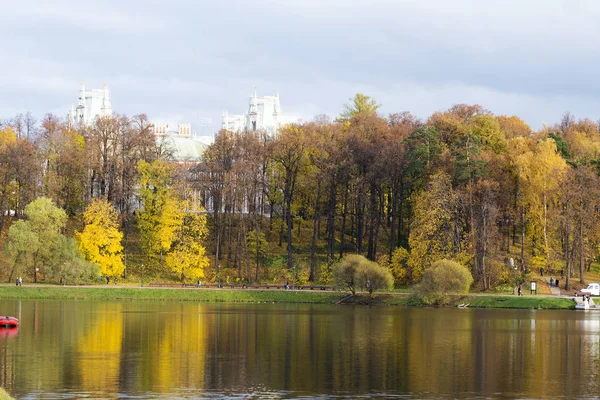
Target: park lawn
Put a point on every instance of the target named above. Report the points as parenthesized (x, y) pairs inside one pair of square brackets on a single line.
[(51, 292), (44, 292), (518, 302)]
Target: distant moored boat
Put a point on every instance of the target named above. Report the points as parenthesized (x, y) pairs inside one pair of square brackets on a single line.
[(10, 322)]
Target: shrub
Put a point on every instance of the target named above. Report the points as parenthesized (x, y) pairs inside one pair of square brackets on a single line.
[(444, 279), (356, 272), (344, 272), (325, 273), (370, 277)]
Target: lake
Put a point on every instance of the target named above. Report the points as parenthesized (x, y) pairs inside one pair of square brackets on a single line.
[(75, 349)]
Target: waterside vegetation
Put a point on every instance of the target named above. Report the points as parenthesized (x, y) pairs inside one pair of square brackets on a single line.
[(485, 191), (405, 299)]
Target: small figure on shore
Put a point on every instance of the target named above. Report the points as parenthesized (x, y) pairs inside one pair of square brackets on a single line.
[(551, 281), (287, 285), (107, 280), (115, 280), (17, 282), (556, 283), (519, 291), (541, 271), (199, 283), (20, 281)]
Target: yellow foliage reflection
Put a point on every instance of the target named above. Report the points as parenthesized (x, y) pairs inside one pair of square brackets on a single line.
[(100, 351)]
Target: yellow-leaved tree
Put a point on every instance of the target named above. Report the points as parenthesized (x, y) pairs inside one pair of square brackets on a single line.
[(100, 240), (434, 233), (541, 174), (160, 217), (187, 257)]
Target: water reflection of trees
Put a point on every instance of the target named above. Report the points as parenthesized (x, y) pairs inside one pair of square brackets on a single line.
[(123, 347)]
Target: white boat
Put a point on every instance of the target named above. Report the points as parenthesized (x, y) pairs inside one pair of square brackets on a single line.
[(584, 303)]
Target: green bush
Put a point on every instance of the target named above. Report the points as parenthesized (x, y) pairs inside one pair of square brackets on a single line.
[(355, 272), (443, 280), (325, 272), (344, 272), (370, 277)]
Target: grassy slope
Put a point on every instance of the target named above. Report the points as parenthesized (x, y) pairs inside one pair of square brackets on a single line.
[(128, 293), (263, 296), (518, 302)]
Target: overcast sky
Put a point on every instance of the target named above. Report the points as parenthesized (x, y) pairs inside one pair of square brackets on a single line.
[(185, 60)]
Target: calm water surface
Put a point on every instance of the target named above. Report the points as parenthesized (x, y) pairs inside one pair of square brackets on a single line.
[(77, 349)]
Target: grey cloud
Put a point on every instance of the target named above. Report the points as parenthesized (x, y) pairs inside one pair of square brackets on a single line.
[(188, 59)]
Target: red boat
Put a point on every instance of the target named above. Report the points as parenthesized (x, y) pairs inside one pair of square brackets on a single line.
[(10, 322)]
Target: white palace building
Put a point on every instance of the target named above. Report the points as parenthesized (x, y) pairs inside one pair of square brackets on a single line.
[(92, 103), (263, 114)]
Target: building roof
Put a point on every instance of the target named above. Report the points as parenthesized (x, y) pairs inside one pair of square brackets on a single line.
[(185, 148)]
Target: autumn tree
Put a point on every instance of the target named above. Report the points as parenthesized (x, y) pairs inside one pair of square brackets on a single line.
[(7, 139), (579, 220), (100, 240), (397, 264), (161, 215), (104, 145), (39, 243), (258, 246), (187, 258), (21, 245), (361, 104), (541, 172), (435, 233), (288, 154), (66, 158)]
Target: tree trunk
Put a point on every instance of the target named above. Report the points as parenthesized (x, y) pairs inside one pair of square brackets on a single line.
[(331, 220), (522, 236), (373, 211), (581, 248), (313, 260), (546, 248), (288, 218), (360, 220), (394, 218), (567, 249), (343, 222)]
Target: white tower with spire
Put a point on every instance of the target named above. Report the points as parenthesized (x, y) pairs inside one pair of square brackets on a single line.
[(264, 114), (233, 123), (106, 106), (92, 103)]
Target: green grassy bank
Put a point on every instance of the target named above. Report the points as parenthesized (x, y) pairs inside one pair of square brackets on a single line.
[(130, 293), (48, 292), (518, 302)]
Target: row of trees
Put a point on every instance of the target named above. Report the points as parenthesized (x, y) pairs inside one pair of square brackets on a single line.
[(463, 185), (95, 177)]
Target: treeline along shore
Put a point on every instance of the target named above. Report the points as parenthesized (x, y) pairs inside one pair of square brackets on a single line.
[(110, 201)]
